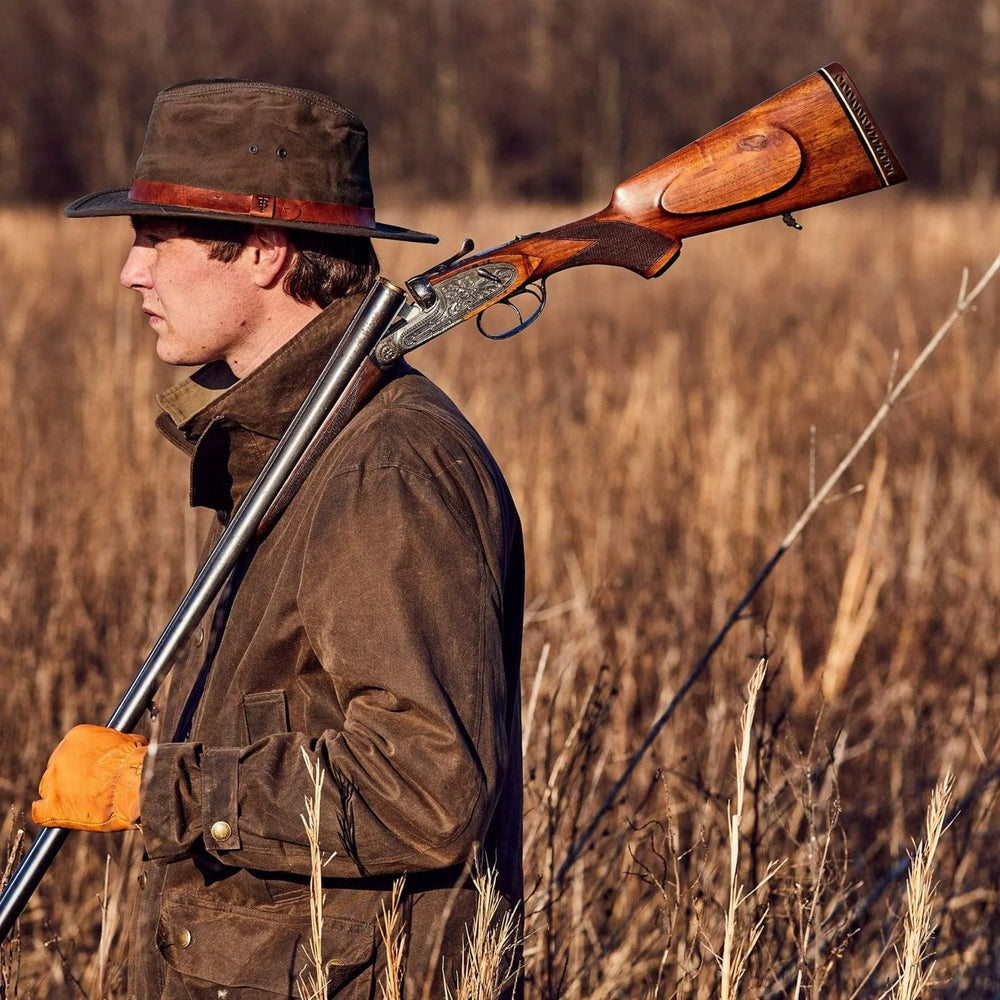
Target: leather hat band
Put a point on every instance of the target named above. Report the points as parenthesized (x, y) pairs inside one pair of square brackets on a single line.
[(257, 206)]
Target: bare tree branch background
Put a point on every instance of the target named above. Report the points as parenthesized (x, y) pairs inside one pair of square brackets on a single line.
[(525, 98)]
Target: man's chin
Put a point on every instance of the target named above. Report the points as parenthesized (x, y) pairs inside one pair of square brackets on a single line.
[(176, 358)]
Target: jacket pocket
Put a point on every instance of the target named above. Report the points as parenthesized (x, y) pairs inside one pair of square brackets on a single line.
[(265, 713), (259, 949)]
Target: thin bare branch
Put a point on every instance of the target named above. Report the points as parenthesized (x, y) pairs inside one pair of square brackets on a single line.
[(963, 305)]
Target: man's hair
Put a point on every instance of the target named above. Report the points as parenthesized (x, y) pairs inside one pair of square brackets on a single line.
[(327, 266)]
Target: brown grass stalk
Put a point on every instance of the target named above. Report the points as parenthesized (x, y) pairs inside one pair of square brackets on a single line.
[(314, 980), (915, 964), (490, 953), (390, 926), (10, 950), (104, 944), (863, 581), (736, 953)]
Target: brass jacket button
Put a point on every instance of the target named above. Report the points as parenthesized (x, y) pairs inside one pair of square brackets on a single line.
[(221, 830), (183, 937), (199, 636), (142, 880)]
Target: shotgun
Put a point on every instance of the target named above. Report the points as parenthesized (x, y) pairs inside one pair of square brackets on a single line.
[(813, 143)]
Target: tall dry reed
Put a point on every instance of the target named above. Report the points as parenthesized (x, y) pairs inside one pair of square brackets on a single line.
[(659, 438)]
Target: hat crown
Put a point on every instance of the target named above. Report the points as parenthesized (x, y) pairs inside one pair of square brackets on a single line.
[(250, 138), (245, 151)]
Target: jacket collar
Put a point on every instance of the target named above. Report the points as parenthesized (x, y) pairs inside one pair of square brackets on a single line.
[(230, 428)]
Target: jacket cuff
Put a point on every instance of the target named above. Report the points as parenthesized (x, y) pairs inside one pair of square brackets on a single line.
[(220, 799), (170, 814)]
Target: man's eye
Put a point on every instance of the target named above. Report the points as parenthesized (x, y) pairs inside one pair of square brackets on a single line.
[(151, 237)]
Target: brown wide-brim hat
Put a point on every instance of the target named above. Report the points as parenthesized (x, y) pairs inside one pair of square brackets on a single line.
[(244, 151)]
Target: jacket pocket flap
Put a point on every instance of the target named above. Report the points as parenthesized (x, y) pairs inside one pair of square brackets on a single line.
[(259, 948), (266, 713)]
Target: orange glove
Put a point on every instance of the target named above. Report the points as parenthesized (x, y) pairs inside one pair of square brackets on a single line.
[(92, 781)]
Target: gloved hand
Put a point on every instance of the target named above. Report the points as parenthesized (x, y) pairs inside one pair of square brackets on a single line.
[(92, 781)]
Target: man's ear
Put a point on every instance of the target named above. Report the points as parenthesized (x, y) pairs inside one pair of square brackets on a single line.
[(270, 254)]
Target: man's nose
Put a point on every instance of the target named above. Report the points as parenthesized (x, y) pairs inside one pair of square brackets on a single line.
[(135, 270)]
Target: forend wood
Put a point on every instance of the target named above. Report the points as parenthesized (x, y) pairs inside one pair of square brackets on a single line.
[(815, 142)]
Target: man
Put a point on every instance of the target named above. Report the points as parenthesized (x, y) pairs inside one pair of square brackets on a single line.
[(377, 626)]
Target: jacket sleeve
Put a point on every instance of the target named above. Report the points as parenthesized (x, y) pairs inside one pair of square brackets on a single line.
[(400, 600)]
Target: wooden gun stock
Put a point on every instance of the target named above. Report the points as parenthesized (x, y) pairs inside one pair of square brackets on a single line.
[(814, 142)]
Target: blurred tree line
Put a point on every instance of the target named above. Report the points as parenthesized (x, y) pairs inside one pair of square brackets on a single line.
[(523, 98)]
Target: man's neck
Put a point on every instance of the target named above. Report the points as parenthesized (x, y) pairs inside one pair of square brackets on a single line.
[(275, 329)]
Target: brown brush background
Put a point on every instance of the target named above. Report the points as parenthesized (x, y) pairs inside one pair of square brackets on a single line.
[(660, 439), (522, 98)]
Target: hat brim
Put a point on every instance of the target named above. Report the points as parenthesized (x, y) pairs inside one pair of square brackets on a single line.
[(116, 201)]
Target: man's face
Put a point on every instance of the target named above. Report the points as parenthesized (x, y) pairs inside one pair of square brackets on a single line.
[(201, 309)]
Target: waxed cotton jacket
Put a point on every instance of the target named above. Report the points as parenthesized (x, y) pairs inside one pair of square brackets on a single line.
[(377, 627)]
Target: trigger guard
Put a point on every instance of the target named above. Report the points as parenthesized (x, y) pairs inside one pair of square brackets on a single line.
[(538, 293)]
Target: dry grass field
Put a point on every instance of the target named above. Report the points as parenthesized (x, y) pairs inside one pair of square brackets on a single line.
[(660, 439)]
